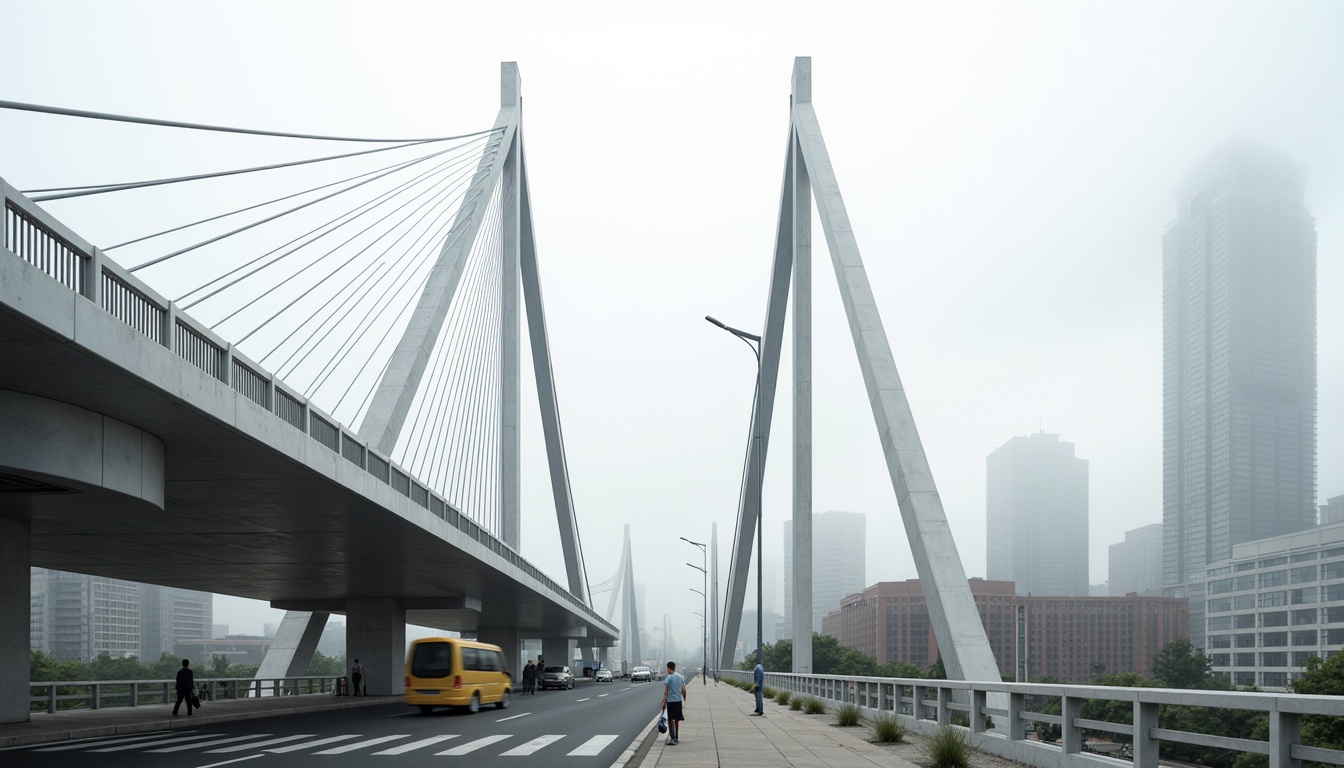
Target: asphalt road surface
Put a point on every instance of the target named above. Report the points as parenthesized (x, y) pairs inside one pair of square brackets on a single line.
[(588, 727)]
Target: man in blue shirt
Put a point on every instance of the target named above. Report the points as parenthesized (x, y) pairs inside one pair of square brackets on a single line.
[(674, 693), (758, 677)]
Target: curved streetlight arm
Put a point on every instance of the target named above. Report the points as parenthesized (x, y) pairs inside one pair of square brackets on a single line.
[(748, 338)]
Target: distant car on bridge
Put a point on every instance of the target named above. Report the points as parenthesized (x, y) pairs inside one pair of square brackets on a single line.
[(641, 673), (556, 677), (603, 675)]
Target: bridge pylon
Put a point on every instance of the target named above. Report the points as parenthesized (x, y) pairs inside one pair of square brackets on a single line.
[(809, 176)]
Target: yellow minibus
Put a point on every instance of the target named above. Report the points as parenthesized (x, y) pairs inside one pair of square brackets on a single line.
[(453, 672)]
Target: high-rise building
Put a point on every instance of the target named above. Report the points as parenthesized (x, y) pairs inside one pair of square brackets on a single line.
[(1135, 564), (1239, 364), (1066, 638), (75, 617), (1332, 511), (838, 563), (169, 616), (1037, 516)]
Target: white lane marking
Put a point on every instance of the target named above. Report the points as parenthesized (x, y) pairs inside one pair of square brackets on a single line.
[(241, 747), (362, 744), (143, 744), (122, 740), (592, 746), (198, 745), (414, 745), (318, 743), (512, 717), (235, 760), (472, 746), (586, 699), (534, 745), (403, 714), (627, 688), (600, 695)]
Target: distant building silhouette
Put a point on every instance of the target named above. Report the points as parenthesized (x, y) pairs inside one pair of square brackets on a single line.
[(1239, 364), (76, 617), (169, 616), (1135, 564), (1037, 516), (1332, 511), (839, 544)]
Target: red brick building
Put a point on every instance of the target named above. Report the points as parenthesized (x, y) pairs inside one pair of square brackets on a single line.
[(1066, 636)]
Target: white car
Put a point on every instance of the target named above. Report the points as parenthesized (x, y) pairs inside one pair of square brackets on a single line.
[(603, 675), (641, 673)]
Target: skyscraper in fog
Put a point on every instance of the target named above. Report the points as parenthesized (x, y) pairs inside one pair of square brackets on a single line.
[(1135, 564), (169, 616), (838, 563), (1036, 509), (1239, 364), (75, 617)]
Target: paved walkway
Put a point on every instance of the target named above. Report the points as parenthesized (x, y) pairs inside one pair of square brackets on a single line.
[(84, 723), (719, 731)]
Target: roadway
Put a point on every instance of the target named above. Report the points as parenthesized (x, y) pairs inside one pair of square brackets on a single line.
[(590, 725)]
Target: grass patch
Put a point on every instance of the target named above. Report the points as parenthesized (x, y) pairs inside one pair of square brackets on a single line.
[(769, 693), (948, 749), (796, 702), (814, 706), (887, 729), (782, 698), (847, 716)]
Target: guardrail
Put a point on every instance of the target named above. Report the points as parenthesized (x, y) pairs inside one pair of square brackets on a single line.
[(35, 236), (927, 705), (66, 695)]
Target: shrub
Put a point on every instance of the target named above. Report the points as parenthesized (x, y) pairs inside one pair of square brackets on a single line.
[(768, 693), (796, 702), (782, 698), (847, 716), (814, 706), (887, 729), (948, 749)]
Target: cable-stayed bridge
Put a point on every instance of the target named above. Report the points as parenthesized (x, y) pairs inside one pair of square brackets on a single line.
[(325, 415)]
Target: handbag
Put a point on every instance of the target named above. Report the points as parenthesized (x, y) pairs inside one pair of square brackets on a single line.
[(195, 701), (662, 720)]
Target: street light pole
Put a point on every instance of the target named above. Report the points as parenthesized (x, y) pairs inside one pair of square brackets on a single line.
[(749, 338), (704, 647)]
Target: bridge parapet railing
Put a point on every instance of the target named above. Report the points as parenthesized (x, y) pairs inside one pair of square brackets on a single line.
[(101, 694), (927, 705), (37, 237)]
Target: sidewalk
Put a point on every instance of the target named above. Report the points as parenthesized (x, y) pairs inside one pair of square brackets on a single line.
[(719, 731), (84, 723)]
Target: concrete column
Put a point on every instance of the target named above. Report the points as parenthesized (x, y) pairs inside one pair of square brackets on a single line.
[(15, 559), (715, 641), (292, 648), (510, 371), (802, 402), (557, 650), (375, 633), (508, 639)]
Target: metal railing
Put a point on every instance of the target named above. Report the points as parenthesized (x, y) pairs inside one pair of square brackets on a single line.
[(67, 695), (927, 705), (38, 238)]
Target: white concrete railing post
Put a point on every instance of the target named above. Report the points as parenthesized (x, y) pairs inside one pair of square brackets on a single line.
[(978, 699), (1017, 727), (93, 277), (1285, 730), (1145, 745), (1071, 736), (944, 712)]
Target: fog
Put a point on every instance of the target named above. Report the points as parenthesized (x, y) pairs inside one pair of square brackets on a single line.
[(1009, 169)]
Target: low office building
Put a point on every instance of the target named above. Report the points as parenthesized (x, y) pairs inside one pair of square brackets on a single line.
[(1033, 637), (1276, 603)]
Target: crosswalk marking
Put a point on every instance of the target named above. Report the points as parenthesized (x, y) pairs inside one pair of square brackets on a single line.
[(120, 740), (592, 746), (199, 745), (532, 746), (308, 744), (341, 750), (241, 747), (414, 745), (143, 744), (472, 746), (512, 717)]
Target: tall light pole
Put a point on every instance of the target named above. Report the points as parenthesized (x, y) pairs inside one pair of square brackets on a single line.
[(704, 647), (754, 341)]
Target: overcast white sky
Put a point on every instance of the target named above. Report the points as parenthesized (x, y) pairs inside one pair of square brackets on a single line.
[(1008, 167)]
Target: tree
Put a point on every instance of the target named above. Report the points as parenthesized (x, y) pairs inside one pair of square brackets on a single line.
[(323, 665), (219, 666), (1182, 665), (1323, 678)]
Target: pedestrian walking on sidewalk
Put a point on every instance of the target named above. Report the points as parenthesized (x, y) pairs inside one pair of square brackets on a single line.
[(186, 686), (758, 677), (674, 695)]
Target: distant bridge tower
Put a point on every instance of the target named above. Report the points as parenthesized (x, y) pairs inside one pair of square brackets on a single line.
[(624, 591)]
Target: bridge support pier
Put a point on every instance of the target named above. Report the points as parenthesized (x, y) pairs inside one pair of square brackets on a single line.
[(292, 649), (15, 557), (375, 633), (511, 641), (557, 650)]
